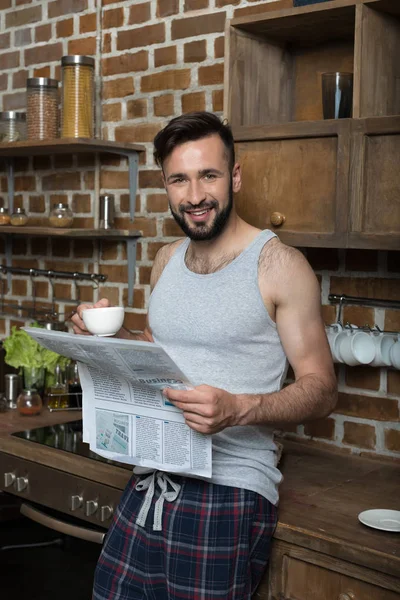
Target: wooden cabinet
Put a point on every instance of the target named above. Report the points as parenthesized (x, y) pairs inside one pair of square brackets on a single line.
[(300, 574), (374, 193), (333, 183), (298, 181)]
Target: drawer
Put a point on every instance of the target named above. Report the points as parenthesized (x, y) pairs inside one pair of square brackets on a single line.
[(69, 494), (300, 574)]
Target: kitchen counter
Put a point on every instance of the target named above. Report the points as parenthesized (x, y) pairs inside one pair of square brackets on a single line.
[(322, 493)]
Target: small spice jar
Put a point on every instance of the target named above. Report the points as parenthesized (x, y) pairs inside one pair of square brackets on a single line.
[(19, 217), (29, 403), (4, 216), (41, 108), (61, 215), (77, 105), (12, 126)]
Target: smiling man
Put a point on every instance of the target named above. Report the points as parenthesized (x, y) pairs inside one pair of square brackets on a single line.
[(232, 306)]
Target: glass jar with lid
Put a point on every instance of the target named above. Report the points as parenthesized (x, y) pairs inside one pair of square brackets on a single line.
[(29, 403), (41, 108), (12, 126), (4, 216), (19, 217), (61, 215), (77, 103)]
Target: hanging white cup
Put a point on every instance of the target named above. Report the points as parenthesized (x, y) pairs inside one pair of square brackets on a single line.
[(332, 334), (395, 354), (356, 348), (383, 344)]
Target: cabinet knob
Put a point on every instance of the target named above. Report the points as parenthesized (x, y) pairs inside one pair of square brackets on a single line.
[(347, 596), (76, 502), (90, 507), (22, 484), (277, 219), (9, 479), (106, 513)]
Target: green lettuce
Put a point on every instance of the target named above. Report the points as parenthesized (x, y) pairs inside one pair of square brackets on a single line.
[(23, 351)]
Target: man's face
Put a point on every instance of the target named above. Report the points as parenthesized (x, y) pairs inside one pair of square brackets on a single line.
[(200, 187)]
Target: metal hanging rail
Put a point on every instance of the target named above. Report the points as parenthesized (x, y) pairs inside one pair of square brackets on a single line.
[(372, 302), (53, 274)]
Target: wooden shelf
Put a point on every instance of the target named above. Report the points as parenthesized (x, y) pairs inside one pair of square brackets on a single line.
[(66, 146), (109, 234)]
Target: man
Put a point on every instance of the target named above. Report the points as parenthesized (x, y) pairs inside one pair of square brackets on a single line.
[(230, 304)]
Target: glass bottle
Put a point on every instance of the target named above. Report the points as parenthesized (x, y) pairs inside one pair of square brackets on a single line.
[(57, 397), (42, 108), (4, 216), (77, 96), (12, 126), (61, 215), (19, 217), (74, 387), (29, 403)]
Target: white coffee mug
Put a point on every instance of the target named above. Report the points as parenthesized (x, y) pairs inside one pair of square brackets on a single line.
[(383, 343), (356, 348), (332, 334), (395, 354)]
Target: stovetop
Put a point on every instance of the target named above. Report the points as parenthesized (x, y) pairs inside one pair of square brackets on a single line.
[(67, 437)]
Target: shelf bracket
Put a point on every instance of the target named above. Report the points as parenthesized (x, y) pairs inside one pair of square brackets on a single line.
[(133, 161), (8, 246), (10, 184), (131, 253)]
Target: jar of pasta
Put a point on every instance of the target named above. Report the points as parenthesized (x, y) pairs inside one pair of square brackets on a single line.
[(12, 126), (41, 108), (4, 216), (61, 215), (77, 104), (19, 217)]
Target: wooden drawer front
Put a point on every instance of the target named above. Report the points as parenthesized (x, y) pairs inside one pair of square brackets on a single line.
[(294, 177), (300, 574), (54, 489)]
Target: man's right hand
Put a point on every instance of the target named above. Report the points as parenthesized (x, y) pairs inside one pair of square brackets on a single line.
[(78, 324)]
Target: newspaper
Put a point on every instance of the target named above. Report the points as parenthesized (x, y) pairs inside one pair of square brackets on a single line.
[(126, 417)]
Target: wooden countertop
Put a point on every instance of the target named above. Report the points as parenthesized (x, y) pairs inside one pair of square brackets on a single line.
[(321, 496)]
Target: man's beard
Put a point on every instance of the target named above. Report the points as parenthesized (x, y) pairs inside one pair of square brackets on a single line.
[(200, 231)]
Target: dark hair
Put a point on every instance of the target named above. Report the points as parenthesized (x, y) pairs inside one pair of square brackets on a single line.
[(190, 127)]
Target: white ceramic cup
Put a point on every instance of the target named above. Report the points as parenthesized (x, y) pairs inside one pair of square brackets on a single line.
[(332, 334), (383, 343), (395, 354), (103, 321), (356, 348)]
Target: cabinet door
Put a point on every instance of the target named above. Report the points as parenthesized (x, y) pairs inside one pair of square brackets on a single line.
[(300, 574), (375, 184), (295, 181)]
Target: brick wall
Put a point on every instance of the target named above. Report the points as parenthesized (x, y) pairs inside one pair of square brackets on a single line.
[(159, 58)]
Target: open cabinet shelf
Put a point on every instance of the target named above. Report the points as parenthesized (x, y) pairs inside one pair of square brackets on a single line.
[(275, 61)]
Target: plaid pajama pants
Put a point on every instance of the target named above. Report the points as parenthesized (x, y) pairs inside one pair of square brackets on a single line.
[(214, 545)]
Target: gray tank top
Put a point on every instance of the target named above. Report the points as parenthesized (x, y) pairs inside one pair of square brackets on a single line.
[(218, 331)]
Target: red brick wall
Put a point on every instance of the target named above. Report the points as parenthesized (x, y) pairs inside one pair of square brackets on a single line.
[(159, 58)]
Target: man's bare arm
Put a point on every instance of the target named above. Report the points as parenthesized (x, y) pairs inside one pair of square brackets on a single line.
[(314, 393)]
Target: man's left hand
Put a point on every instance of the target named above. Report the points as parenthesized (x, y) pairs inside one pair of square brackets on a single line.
[(206, 409)]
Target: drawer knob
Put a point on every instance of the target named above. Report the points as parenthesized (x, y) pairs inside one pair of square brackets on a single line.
[(22, 484), (277, 219), (106, 513), (347, 596), (9, 479), (91, 507), (76, 502)]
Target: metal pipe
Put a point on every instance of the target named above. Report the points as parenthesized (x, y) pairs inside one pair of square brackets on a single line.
[(56, 274), (373, 302)]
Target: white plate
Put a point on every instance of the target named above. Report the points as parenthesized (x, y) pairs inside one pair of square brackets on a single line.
[(379, 518)]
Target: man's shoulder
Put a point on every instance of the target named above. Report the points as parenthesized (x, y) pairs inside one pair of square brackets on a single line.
[(162, 258), (165, 252), (276, 255)]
